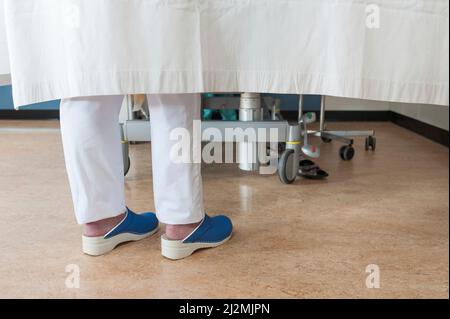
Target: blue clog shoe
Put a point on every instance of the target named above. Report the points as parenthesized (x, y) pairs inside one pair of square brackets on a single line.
[(212, 232), (132, 228)]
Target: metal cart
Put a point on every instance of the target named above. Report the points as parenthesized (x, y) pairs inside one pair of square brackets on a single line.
[(259, 112)]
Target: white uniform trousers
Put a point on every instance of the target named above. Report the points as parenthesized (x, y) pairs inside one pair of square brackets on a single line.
[(94, 162)]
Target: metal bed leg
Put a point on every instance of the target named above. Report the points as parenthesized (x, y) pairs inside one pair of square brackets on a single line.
[(347, 151), (249, 111), (322, 114), (125, 151), (289, 161), (124, 136)]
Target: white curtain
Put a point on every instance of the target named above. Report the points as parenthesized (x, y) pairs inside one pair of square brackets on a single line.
[(392, 50)]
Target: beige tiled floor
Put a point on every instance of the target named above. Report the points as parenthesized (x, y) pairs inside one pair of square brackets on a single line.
[(311, 239)]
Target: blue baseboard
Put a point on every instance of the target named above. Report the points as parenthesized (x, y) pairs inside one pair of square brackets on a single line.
[(6, 101)]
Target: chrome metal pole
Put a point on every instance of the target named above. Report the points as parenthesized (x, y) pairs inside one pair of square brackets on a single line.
[(300, 107), (250, 110), (322, 113)]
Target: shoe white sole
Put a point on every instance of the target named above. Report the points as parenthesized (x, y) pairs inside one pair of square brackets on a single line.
[(176, 249), (97, 246)]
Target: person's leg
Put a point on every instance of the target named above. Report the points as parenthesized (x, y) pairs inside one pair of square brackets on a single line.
[(92, 150), (93, 154), (177, 187)]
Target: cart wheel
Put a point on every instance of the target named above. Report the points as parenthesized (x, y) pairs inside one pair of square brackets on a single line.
[(127, 166), (326, 140), (347, 152), (371, 143), (286, 167)]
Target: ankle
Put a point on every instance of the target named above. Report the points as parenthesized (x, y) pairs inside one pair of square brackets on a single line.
[(179, 232), (102, 227)]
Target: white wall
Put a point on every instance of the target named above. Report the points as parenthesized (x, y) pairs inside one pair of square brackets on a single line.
[(344, 104), (436, 115), (5, 80)]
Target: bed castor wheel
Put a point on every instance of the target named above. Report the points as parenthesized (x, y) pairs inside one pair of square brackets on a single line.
[(286, 170), (371, 143), (127, 166), (347, 152), (326, 139)]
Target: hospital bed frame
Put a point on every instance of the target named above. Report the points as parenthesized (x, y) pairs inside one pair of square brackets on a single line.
[(259, 113)]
